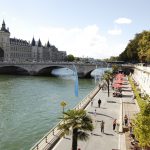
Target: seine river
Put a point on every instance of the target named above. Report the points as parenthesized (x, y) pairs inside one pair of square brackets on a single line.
[(30, 107)]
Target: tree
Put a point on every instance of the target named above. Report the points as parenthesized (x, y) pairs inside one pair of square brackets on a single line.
[(79, 122), (141, 125), (63, 104), (115, 68), (113, 58), (138, 49), (107, 76), (144, 46), (70, 57)]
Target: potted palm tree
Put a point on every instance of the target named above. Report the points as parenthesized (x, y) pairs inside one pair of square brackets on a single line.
[(79, 123), (63, 104)]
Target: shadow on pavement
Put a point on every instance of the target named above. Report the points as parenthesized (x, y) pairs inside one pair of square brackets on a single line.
[(67, 138), (100, 107), (111, 102), (101, 114), (108, 134), (95, 134)]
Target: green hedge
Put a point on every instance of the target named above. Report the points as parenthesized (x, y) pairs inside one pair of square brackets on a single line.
[(141, 102)]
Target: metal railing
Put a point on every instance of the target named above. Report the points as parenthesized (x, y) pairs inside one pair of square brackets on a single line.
[(52, 137)]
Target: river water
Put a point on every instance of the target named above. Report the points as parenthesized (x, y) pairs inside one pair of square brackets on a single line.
[(30, 107)]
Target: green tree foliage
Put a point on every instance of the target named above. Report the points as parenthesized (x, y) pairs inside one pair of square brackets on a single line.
[(79, 123), (77, 58), (115, 68), (138, 49), (142, 126), (113, 58), (107, 76), (144, 47), (70, 57)]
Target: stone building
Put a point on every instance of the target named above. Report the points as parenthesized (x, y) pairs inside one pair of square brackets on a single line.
[(17, 50)]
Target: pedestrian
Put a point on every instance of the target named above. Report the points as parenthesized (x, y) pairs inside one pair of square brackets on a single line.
[(117, 127), (91, 103), (102, 126), (95, 113), (126, 120), (114, 124), (99, 103)]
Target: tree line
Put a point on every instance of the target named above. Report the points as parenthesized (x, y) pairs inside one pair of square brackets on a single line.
[(138, 49)]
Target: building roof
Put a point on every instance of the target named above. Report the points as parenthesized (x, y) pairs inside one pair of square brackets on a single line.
[(33, 42), (48, 44), (18, 41), (3, 28), (39, 43)]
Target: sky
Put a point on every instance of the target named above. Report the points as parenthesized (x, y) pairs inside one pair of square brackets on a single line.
[(84, 28)]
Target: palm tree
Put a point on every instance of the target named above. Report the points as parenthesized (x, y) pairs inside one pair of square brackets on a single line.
[(107, 76), (63, 104), (79, 122)]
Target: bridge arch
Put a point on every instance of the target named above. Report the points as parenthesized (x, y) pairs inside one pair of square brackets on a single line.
[(47, 71), (82, 72), (13, 70), (88, 74), (1, 54)]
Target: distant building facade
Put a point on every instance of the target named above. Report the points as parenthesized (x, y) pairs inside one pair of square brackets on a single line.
[(17, 50)]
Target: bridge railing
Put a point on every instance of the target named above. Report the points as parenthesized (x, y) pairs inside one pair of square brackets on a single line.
[(52, 137), (50, 62)]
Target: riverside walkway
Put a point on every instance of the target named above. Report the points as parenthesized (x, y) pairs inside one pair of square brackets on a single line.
[(111, 108)]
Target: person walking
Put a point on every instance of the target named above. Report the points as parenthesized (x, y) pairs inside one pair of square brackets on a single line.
[(95, 113), (102, 126), (126, 120), (99, 103), (117, 127), (114, 124), (91, 103)]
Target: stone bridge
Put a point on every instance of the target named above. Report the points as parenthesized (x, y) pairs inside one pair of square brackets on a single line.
[(45, 69)]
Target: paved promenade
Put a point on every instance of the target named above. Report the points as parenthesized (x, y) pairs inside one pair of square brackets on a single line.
[(111, 108)]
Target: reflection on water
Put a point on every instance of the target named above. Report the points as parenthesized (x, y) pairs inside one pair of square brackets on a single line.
[(62, 72)]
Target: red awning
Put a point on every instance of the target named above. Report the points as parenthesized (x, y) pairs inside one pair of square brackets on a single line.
[(117, 85), (118, 81)]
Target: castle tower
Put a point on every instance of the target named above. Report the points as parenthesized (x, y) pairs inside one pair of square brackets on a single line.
[(34, 51), (40, 51), (4, 43)]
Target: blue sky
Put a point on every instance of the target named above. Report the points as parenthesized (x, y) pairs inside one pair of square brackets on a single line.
[(84, 28)]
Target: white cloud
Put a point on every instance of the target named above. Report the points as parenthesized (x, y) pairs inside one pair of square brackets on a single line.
[(80, 42), (115, 32), (86, 41), (123, 21)]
